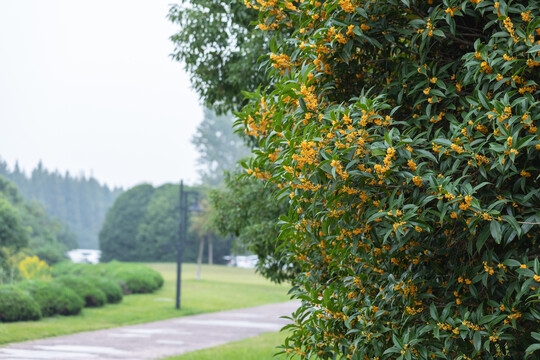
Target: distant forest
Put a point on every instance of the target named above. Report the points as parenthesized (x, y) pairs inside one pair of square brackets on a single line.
[(81, 202), (25, 225)]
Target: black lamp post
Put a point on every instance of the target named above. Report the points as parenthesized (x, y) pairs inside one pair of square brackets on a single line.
[(182, 229)]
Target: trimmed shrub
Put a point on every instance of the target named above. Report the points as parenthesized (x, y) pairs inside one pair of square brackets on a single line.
[(93, 296), (133, 278), (53, 298), (110, 287), (69, 268), (138, 279), (15, 305)]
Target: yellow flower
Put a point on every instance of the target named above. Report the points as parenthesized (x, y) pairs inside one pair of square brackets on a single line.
[(486, 68)]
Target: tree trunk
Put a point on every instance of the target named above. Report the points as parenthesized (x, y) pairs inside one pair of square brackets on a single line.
[(210, 251), (199, 258)]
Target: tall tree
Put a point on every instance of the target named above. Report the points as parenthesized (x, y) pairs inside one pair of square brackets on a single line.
[(117, 238), (215, 44), (218, 146), (142, 225)]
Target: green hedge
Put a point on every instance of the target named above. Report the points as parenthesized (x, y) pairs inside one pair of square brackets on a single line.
[(132, 277), (110, 287), (53, 298), (82, 286), (15, 305), (137, 280)]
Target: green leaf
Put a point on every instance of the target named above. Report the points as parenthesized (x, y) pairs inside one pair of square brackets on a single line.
[(433, 312), (511, 262), (532, 349), (513, 222), (495, 229), (477, 340), (534, 49), (388, 139)]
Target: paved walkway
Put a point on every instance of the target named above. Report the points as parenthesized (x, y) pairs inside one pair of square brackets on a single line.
[(157, 339)]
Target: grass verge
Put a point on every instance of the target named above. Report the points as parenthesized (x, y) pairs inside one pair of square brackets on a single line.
[(262, 347), (221, 288)]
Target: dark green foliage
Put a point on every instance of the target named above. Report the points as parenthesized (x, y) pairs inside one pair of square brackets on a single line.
[(247, 209), (119, 231), (12, 232), (404, 136), (93, 296), (142, 225), (46, 237), (15, 305), (110, 287), (219, 50), (53, 298), (158, 228), (80, 202)]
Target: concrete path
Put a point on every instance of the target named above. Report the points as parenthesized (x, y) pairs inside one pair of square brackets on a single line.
[(157, 339)]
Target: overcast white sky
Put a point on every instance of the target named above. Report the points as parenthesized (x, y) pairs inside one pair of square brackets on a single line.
[(89, 86)]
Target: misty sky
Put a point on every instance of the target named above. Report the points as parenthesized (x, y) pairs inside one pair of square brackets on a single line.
[(88, 86)]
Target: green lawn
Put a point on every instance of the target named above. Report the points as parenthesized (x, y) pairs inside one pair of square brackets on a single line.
[(262, 347), (221, 288)]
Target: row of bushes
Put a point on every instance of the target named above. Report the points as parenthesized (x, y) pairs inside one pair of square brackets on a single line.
[(133, 278), (73, 287)]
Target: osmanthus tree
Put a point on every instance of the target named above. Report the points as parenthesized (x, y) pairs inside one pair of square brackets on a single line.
[(404, 135)]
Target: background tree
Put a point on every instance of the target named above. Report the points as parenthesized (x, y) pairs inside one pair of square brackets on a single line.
[(203, 229), (25, 226), (117, 238), (247, 209), (80, 202), (218, 146), (215, 44), (157, 234), (13, 237), (142, 225)]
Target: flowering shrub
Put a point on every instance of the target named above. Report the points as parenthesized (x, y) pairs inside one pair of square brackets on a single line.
[(405, 136), (31, 267)]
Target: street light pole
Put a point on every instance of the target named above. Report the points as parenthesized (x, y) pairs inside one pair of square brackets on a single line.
[(181, 224), (182, 230)]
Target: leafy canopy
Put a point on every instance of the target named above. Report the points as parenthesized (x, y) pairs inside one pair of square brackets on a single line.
[(215, 44)]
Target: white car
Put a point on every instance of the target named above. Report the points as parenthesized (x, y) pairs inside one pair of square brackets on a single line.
[(243, 261)]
